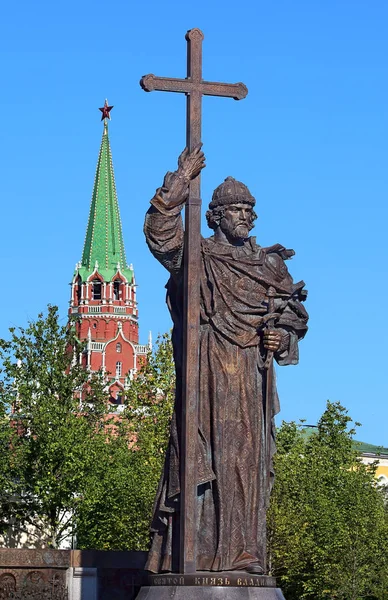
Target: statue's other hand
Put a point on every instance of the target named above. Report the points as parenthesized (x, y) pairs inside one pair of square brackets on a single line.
[(272, 339), (190, 164)]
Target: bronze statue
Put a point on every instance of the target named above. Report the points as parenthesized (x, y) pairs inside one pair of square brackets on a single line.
[(250, 310)]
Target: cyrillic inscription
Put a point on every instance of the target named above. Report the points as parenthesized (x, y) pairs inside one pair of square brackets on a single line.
[(213, 580)]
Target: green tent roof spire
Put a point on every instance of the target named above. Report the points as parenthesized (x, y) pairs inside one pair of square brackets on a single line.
[(104, 245)]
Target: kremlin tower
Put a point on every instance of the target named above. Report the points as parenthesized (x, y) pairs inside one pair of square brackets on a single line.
[(103, 289)]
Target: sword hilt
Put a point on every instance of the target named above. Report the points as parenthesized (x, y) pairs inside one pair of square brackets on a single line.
[(271, 294)]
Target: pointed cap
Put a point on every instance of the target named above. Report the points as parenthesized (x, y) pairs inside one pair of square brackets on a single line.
[(104, 245)]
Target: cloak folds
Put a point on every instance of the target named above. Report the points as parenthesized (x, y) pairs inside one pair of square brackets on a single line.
[(233, 490)]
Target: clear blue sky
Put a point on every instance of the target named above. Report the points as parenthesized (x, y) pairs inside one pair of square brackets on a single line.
[(310, 141)]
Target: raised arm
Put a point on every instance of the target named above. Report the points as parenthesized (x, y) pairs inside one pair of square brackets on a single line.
[(163, 225)]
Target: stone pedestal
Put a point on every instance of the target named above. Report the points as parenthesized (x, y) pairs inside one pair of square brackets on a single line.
[(210, 586), (214, 593), (82, 583)]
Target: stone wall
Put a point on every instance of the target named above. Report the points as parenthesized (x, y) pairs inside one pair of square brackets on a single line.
[(70, 574)]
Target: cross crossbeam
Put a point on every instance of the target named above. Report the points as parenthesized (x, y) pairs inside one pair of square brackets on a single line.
[(151, 83), (194, 88)]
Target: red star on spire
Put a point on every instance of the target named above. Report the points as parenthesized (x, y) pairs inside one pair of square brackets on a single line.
[(105, 111)]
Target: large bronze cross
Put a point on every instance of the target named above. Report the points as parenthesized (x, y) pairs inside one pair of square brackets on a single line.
[(194, 87)]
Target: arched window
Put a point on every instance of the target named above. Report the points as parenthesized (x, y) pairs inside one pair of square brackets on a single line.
[(118, 369), (79, 289), (96, 291), (116, 289), (118, 347)]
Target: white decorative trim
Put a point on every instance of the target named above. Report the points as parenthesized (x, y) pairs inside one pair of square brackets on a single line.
[(110, 315), (93, 309), (117, 382), (95, 272), (120, 274), (120, 333), (142, 348), (97, 346), (370, 458)]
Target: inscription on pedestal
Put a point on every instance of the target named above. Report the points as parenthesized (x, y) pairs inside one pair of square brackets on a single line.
[(229, 579)]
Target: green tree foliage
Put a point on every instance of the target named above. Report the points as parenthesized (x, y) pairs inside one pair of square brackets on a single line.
[(71, 467), (120, 492), (8, 464), (328, 526), (48, 437)]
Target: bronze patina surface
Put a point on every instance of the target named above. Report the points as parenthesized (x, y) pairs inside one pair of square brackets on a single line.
[(235, 309), (194, 87)]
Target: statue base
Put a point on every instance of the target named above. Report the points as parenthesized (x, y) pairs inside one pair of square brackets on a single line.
[(236, 585)]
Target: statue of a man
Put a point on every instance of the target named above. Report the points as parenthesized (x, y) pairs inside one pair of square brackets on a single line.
[(235, 275)]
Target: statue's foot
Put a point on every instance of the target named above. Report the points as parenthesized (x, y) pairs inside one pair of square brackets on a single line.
[(255, 569)]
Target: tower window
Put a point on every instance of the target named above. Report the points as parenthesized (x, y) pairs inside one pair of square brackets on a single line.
[(118, 347), (118, 369), (79, 289), (96, 289), (116, 290)]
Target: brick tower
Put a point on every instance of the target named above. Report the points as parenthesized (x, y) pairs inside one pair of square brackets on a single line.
[(103, 289)]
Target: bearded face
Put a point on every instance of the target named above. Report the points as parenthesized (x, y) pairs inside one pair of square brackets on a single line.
[(237, 221)]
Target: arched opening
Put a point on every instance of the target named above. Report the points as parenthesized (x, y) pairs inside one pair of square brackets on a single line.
[(116, 395), (119, 367), (117, 289), (79, 289), (97, 289), (118, 347)]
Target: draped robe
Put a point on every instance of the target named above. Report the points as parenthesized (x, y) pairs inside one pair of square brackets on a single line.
[(233, 487)]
